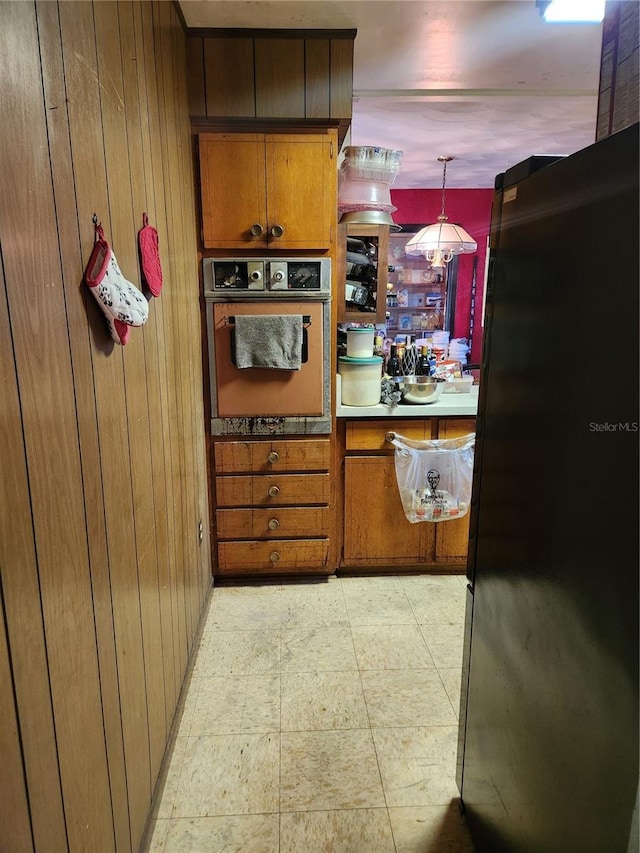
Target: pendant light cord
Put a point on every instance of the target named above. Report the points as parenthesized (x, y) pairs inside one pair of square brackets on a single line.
[(444, 160)]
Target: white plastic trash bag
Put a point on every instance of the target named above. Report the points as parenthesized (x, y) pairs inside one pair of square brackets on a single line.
[(434, 477)]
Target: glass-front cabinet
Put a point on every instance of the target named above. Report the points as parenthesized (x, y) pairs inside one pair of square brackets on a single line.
[(420, 297)]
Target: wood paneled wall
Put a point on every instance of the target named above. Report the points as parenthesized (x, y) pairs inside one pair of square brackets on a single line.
[(102, 453)]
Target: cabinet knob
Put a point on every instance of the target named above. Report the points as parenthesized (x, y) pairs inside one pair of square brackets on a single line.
[(273, 456), (256, 230), (274, 524), (277, 231), (274, 556), (274, 491)]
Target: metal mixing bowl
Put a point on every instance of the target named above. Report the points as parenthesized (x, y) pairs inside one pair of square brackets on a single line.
[(420, 390)]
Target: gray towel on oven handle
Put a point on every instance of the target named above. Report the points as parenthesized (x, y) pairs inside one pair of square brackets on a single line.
[(269, 340)]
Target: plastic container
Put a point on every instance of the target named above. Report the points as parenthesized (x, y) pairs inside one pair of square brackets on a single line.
[(361, 380), (373, 193), (365, 162), (458, 385), (360, 342)]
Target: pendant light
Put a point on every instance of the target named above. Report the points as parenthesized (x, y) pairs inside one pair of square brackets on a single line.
[(442, 240)]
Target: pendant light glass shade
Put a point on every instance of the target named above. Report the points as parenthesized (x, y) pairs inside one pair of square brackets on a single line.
[(442, 240)]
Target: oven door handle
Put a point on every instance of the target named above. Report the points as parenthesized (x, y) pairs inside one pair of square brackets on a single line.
[(306, 320)]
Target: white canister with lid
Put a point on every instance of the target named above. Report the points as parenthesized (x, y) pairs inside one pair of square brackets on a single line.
[(360, 342), (361, 380)]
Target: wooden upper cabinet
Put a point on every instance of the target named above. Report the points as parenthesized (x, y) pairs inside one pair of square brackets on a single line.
[(278, 62), (268, 191), (272, 74), (229, 77), (317, 75), (341, 78)]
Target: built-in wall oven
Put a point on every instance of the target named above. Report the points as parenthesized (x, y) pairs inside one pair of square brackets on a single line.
[(258, 400)]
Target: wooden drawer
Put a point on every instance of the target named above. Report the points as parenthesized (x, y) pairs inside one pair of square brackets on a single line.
[(289, 489), (285, 522), (370, 434), (455, 427), (262, 456), (280, 557)]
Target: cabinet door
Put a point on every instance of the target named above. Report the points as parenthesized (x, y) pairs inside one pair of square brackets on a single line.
[(452, 537), (376, 531), (284, 556), (233, 188), (301, 191)]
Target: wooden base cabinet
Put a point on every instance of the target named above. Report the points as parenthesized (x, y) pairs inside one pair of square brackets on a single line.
[(452, 537), (273, 507), (376, 532)]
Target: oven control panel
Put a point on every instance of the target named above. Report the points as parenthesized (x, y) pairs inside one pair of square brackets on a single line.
[(237, 278)]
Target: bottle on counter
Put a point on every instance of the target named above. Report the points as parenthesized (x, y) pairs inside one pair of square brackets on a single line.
[(402, 351), (409, 357), (394, 364), (423, 364)]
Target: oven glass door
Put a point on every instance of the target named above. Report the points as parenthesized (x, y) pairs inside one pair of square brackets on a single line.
[(260, 392)]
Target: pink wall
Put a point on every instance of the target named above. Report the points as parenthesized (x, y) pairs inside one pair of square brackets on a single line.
[(472, 210)]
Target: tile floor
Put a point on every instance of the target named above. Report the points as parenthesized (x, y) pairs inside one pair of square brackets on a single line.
[(320, 717)]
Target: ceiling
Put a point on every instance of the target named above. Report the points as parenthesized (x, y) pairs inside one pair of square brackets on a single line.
[(485, 81)]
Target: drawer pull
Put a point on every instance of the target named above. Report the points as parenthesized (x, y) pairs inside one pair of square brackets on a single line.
[(273, 457), (274, 556), (274, 524), (274, 491)]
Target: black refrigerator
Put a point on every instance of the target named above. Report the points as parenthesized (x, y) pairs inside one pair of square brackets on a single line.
[(548, 746)]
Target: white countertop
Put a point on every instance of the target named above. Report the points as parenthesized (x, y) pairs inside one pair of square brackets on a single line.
[(447, 405)]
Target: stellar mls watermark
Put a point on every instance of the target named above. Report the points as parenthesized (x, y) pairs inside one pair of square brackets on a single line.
[(617, 426)]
